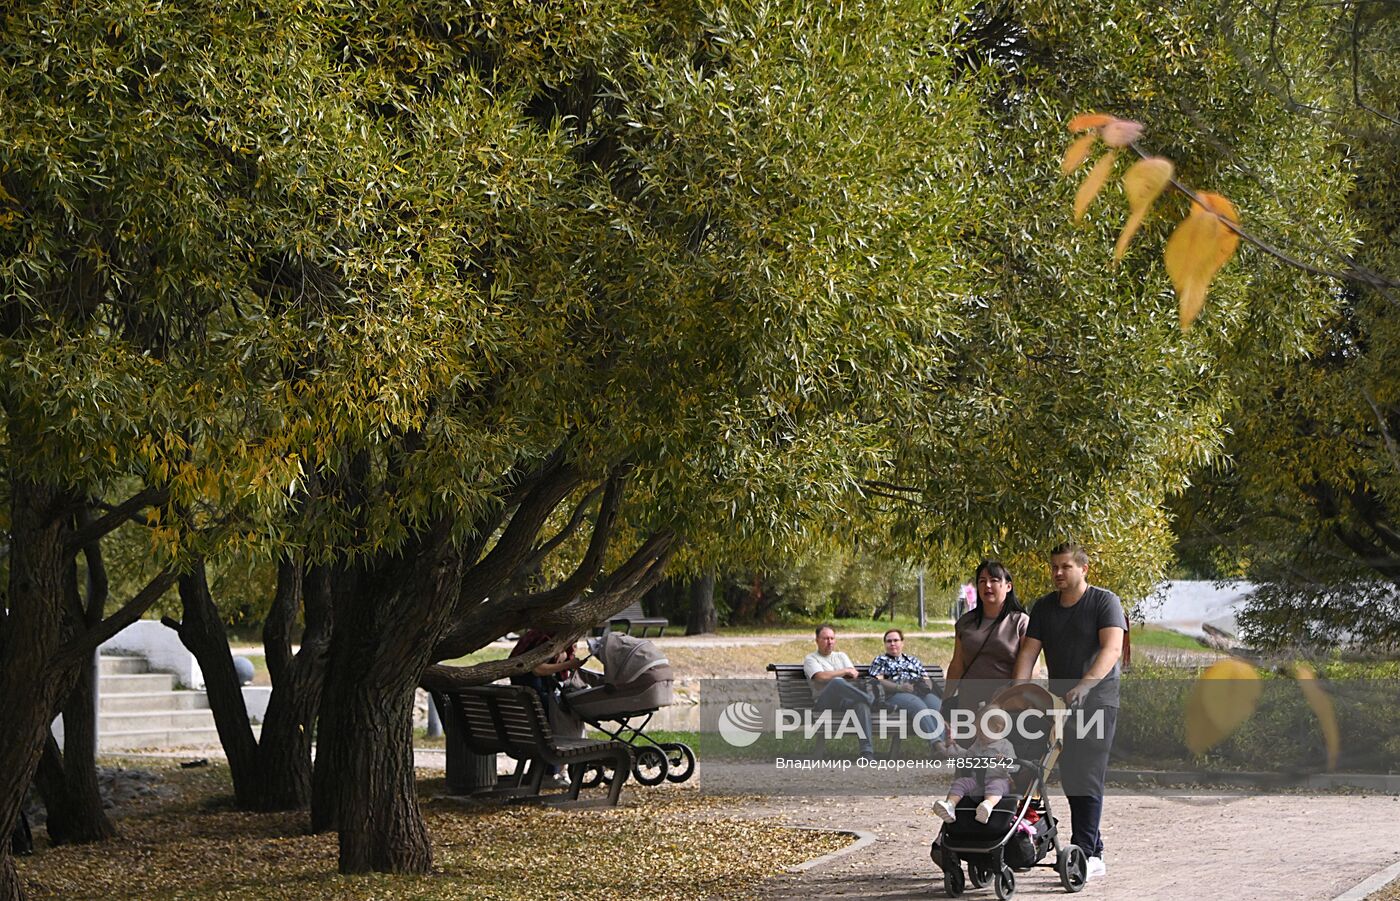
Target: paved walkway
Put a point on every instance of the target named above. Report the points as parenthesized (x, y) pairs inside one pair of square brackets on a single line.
[(1237, 848)]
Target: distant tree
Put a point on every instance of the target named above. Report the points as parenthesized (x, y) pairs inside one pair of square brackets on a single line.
[(1309, 503)]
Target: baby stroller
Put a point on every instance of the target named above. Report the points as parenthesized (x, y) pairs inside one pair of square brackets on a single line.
[(998, 849), (635, 683)]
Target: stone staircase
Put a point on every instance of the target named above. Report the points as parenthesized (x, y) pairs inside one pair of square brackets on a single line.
[(141, 709)]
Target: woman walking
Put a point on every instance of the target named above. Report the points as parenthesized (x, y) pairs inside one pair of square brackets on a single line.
[(988, 639)]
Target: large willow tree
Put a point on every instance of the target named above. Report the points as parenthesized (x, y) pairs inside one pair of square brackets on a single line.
[(483, 309), (482, 313)]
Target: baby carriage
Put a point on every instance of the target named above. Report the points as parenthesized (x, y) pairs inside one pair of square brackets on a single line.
[(635, 683), (998, 849)]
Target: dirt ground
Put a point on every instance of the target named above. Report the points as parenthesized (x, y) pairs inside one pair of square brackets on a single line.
[(1168, 847)]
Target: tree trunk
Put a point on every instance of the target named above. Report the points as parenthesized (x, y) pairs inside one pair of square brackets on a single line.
[(703, 617), (386, 629), (285, 746), (202, 632), (68, 779), (74, 803), (30, 634), (369, 745), (363, 777)]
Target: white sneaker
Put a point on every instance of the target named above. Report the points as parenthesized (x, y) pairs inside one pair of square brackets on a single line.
[(945, 811), (1095, 868), (984, 812)]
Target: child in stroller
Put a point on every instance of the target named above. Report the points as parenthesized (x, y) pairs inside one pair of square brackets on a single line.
[(635, 683), (1019, 830), (992, 775)]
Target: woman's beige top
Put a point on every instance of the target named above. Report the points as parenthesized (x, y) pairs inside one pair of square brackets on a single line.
[(994, 666)]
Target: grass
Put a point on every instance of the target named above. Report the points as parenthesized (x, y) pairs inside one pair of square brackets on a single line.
[(193, 845), (749, 661), (1162, 637), (843, 626)]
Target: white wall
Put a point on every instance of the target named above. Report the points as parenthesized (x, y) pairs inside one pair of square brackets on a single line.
[(162, 649), (1186, 604)]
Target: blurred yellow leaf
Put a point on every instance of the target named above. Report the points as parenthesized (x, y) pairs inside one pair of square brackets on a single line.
[(1086, 121), (1143, 184), (1093, 183), (1223, 698), (1321, 705), (1077, 153), (1197, 249), (1120, 132)]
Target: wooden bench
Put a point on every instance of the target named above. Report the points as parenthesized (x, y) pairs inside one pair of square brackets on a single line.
[(633, 621), (509, 719), (795, 693)]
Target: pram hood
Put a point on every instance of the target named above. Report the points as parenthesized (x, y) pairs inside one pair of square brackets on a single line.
[(636, 678), (1016, 699), (626, 658)]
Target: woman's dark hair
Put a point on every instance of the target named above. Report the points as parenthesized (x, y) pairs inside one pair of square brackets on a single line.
[(997, 570)]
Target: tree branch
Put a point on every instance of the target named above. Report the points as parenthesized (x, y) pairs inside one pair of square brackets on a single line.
[(576, 520), (1356, 274), (119, 514), (453, 678), (491, 619), (86, 643), (516, 541)]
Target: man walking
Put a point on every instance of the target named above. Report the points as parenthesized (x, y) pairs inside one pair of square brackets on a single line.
[(1080, 627), (833, 684)]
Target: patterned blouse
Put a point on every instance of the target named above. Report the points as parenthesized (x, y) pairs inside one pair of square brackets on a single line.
[(904, 668)]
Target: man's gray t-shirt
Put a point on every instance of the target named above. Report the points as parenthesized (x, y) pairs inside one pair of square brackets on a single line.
[(1070, 636)]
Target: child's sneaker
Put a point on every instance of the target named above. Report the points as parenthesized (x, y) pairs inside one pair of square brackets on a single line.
[(984, 811), (945, 811)]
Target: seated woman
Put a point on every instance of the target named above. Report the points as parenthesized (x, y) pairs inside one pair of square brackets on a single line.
[(902, 681), (547, 679)]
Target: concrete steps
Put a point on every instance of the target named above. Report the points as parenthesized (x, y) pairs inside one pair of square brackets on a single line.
[(141, 709)]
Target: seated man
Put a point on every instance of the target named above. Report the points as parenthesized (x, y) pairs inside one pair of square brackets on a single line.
[(834, 687), (906, 688)]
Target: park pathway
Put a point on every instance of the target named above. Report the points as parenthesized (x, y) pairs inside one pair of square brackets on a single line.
[(1157, 848)]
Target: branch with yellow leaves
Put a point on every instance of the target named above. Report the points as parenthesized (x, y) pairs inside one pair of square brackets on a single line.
[(1209, 236)]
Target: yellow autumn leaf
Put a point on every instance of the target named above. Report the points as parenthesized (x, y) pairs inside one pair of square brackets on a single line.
[(1086, 121), (1222, 699), (1077, 153), (1322, 706), (1093, 183), (1121, 132), (1201, 244), (1143, 184)]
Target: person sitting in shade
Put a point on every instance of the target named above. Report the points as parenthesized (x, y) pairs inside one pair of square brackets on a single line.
[(833, 677), (905, 686)]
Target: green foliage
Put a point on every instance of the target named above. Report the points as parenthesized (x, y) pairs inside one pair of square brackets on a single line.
[(1281, 736), (248, 247), (1074, 404), (764, 253), (1309, 504)]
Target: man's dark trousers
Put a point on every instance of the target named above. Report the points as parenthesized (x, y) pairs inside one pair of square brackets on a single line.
[(1083, 766)]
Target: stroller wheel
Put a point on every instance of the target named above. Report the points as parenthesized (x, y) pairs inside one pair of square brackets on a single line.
[(680, 761), (650, 766), (1005, 884), (978, 875), (1073, 868), (953, 882)]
